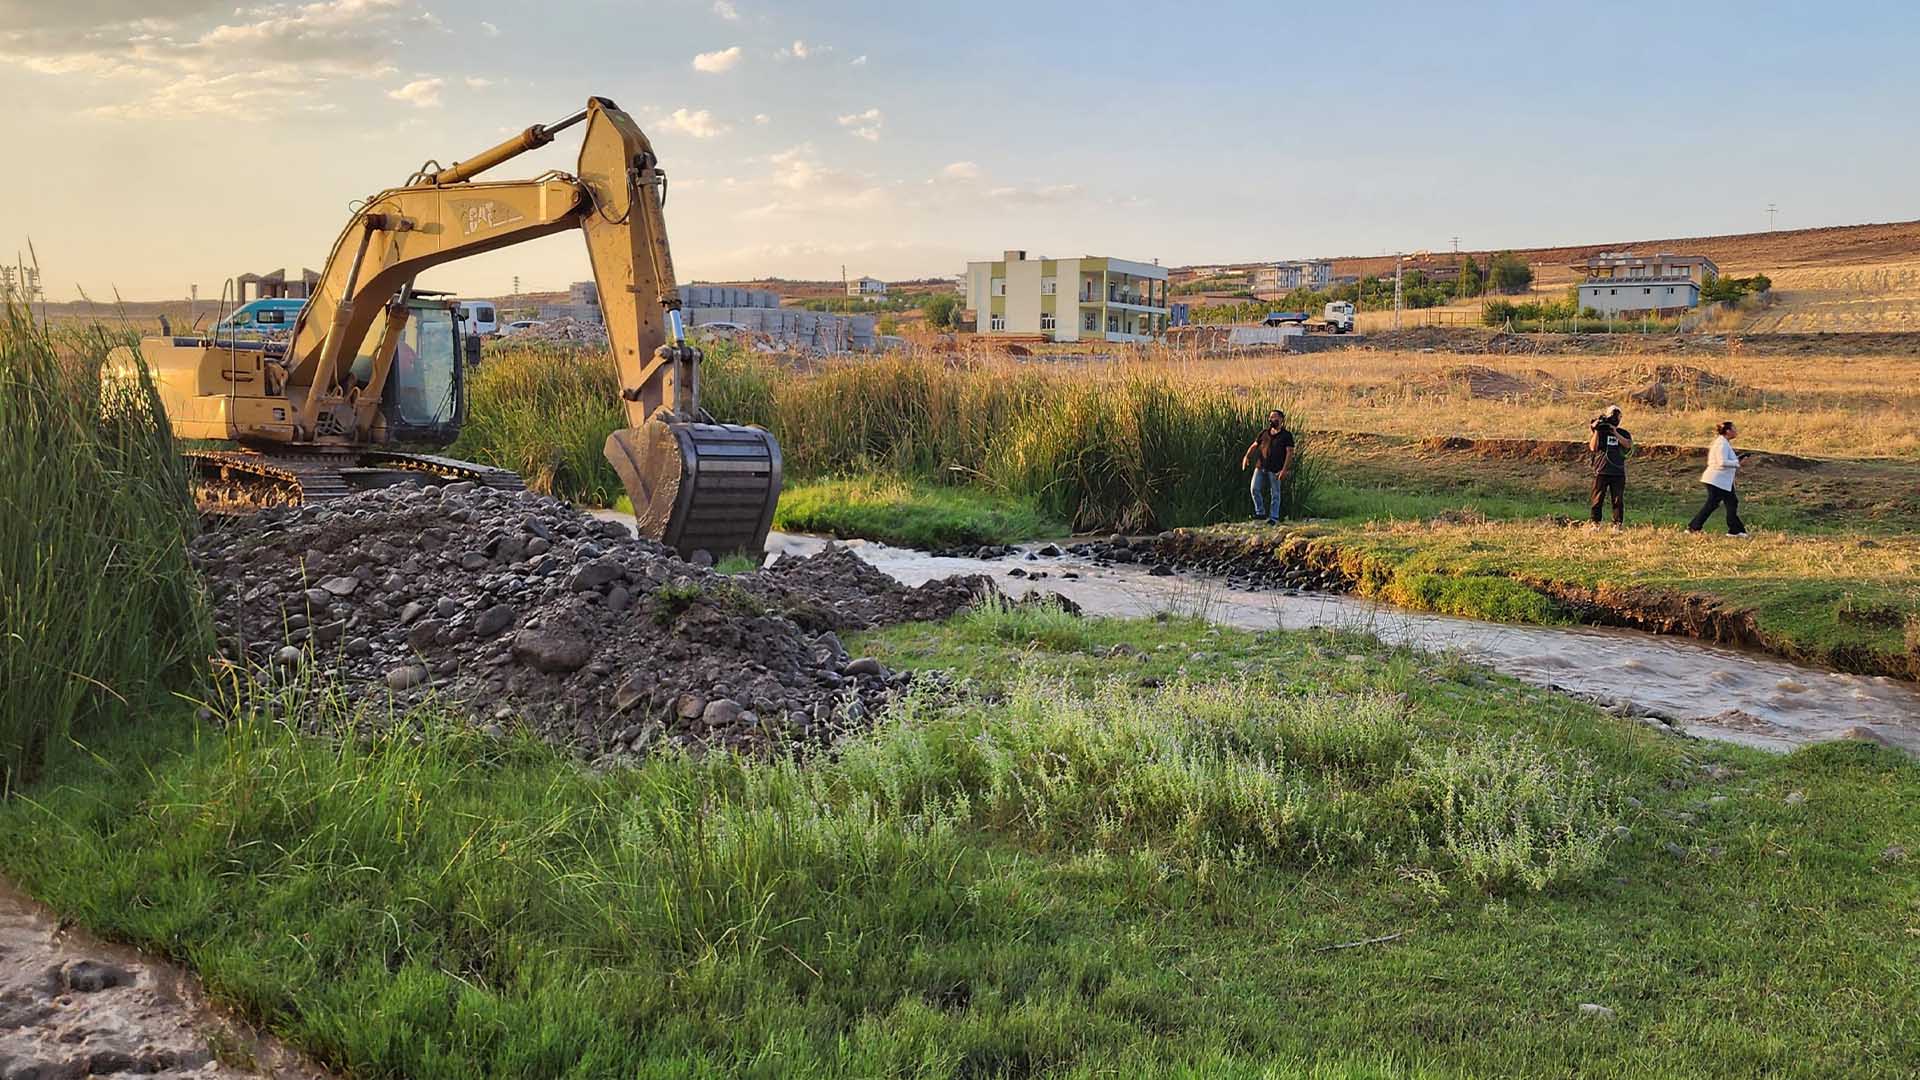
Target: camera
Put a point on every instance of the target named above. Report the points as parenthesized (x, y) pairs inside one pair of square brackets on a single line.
[(1598, 422)]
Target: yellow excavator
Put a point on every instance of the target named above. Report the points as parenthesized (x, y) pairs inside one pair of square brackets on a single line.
[(372, 364)]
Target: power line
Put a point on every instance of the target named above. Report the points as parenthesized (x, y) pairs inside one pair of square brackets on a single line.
[(1771, 210)]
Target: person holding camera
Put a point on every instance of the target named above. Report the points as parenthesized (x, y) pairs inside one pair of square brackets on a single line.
[(1271, 455), (1722, 463), (1607, 446)]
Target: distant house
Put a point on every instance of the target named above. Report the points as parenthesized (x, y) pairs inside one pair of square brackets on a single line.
[(866, 286), (1092, 298), (1283, 277), (1622, 283)]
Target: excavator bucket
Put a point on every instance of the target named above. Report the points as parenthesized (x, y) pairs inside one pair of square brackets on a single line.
[(698, 487)]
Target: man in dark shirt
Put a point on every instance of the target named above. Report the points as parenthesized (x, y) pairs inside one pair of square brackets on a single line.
[(1271, 455), (1607, 447)]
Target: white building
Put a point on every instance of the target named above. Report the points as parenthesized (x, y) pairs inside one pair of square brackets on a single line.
[(1622, 283), (867, 287), (1284, 277), (1092, 298)]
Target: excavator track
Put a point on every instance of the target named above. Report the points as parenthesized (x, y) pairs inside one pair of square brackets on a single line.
[(232, 483)]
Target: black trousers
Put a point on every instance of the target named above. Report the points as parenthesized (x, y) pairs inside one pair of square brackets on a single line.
[(1715, 497), (1614, 486)]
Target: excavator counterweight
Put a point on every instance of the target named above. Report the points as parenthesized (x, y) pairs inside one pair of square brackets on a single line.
[(318, 412)]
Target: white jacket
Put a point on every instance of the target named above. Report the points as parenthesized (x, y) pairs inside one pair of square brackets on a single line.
[(1721, 462)]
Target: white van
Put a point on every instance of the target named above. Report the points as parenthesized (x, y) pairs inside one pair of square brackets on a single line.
[(478, 318)]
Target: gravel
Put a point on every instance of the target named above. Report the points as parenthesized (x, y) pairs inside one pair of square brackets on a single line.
[(517, 609)]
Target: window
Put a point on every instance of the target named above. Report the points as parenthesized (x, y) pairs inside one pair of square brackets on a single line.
[(1091, 322), (999, 322), (270, 317), (1649, 292), (1047, 321), (1049, 286), (1669, 290), (1613, 292), (999, 286)]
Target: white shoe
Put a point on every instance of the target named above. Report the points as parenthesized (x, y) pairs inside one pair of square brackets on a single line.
[(1737, 536)]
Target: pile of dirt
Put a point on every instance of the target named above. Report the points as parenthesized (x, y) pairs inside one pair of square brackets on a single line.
[(1657, 385), (518, 608), (565, 330), (1481, 382)]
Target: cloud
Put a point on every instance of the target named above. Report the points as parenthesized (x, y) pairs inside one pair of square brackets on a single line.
[(761, 118), (865, 125), (489, 29), (420, 93), (800, 185), (801, 50), (698, 123), (1043, 195), (961, 170), (475, 82), (184, 54), (713, 63), (726, 10), (858, 61)]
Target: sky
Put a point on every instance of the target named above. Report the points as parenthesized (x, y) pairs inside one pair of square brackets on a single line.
[(152, 145)]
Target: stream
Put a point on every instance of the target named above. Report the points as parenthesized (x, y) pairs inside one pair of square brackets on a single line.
[(1709, 691)]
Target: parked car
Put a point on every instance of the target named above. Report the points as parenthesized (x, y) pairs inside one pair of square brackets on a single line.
[(260, 319), (519, 326), (478, 318)]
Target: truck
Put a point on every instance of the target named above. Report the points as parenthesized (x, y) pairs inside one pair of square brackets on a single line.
[(1336, 319)]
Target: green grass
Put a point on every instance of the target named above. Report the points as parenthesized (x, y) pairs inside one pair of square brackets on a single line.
[(1102, 865), (1138, 449), (910, 513), (98, 610)]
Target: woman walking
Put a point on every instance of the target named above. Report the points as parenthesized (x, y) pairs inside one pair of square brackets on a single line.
[(1722, 463)]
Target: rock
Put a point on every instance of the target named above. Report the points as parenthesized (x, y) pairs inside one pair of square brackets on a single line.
[(690, 706), (595, 575), (1893, 853), (1050, 551), (445, 608), (359, 647), (1674, 850), (701, 557), (289, 656), (406, 677), (553, 651), (424, 634), (618, 598), (1161, 570), (1861, 733), (1795, 798), (629, 693), (1597, 1012), (412, 611), (866, 665), (473, 560), (1117, 541), (1125, 651), (341, 586), (723, 712), (829, 651), (1016, 572), (493, 620), (538, 546), (93, 976), (1622, 833), (319, 598)]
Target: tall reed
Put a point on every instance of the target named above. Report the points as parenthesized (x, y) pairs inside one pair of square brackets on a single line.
[(1133, 447), (98, 606)]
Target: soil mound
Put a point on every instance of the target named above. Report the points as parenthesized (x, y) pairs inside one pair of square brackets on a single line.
[(1657, 385), (518, 608), (1481, 381)]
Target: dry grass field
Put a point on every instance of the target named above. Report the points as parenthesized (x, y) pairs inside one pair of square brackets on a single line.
[(1874, 297), (1825, 407)]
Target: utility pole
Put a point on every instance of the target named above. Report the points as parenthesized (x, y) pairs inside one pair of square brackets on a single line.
[(1771, 210), (1399, 265)]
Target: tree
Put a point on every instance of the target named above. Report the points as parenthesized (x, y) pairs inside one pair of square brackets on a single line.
[(1510, 273), (941, 309), (1472, 281)]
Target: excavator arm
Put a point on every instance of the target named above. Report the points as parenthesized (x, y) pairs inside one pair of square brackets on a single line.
[(694, 484)]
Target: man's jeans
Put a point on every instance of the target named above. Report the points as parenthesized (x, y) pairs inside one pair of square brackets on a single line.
[(1267, 494)]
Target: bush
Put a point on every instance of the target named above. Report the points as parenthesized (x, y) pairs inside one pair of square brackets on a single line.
[(99, 609), (1510, 814)]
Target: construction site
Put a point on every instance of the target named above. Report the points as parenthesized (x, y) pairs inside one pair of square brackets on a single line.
[(954, 586)]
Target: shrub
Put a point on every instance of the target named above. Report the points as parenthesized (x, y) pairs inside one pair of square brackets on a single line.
[(99, 609), (1511, 814)]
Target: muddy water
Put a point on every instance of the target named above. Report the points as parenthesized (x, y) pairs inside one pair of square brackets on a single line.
[(73, 1006), (1707, 690)]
